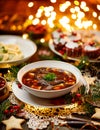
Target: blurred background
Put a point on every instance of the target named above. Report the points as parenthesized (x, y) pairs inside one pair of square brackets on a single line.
[(17, 15)]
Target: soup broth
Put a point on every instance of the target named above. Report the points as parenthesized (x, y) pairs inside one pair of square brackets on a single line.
[(45, 78)]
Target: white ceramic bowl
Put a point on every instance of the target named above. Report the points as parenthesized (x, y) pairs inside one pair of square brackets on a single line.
[(51, 64), (27, 47)]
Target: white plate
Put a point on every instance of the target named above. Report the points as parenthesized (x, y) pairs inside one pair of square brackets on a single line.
[(97, 34), (27, 47), (32, 100)]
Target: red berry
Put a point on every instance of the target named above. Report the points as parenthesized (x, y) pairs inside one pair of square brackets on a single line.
[(79, 102), (19, 85), (62, 36), (6, 111), (78, 95), (16, 107), (73, 100), (11, 110)]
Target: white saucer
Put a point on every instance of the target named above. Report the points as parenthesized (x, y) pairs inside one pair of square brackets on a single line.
[(32, 100)]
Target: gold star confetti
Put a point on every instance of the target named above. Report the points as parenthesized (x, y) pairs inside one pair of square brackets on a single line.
[(13, 123), (90, 80), (97, 113)]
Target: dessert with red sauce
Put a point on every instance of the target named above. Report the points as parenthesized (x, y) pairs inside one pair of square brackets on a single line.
[(67, 42), (73, 49), (91, 51), (76, 44)]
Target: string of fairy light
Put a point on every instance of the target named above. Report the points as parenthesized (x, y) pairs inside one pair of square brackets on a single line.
[(80, 15)]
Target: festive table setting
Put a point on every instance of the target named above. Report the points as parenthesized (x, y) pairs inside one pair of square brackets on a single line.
[(50, 70), (77, 109)]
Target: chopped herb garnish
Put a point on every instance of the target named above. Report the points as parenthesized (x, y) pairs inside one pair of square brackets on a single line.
[(49, 76), (1, 57), (4, 50)]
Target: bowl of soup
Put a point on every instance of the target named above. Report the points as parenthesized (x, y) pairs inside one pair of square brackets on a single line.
[(49, 78)]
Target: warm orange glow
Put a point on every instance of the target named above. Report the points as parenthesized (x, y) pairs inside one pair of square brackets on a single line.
[(67, 14)]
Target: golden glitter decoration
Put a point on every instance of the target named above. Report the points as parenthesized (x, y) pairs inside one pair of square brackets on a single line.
[(53, 111)]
